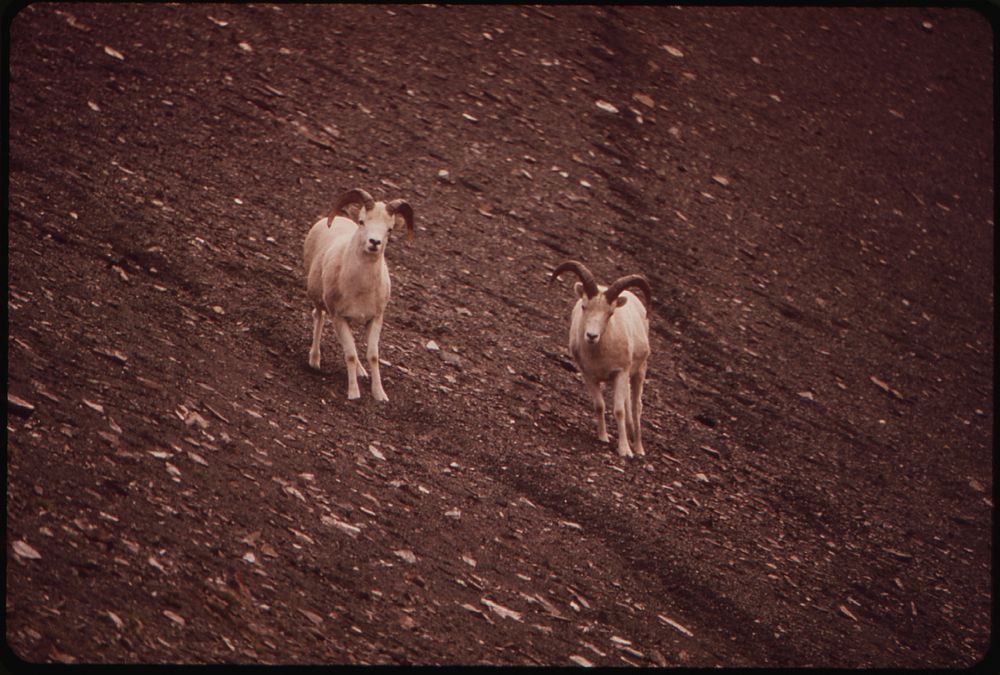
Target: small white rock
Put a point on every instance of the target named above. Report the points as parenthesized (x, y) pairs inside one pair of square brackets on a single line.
[(176, 618), (23, 550), (94, 406), (407, 555)]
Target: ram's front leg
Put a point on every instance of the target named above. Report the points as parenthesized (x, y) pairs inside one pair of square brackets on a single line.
[(319, 316), (350, 355), (374, 333), (621, 397), (594, 389)]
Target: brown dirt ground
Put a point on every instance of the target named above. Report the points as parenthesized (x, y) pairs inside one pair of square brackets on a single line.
[(818, 486)]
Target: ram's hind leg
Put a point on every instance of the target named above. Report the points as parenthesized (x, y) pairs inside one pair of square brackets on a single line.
[(629, 419), (637, 381), (594, 389), (319, 316)]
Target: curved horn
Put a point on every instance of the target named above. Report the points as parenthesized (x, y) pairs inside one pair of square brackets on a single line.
[(351, 196), (629, 281), (589, 284), (403, 208)]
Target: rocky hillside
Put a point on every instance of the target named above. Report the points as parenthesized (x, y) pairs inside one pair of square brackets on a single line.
[(808, 190)]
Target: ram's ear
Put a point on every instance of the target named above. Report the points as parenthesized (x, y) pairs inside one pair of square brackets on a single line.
[(578, 289), (352, 210), (403, 213)]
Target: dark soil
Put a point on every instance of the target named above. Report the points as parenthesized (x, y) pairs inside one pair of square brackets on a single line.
[(809, 191)]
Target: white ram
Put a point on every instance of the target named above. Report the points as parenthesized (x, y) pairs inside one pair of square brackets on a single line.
[(347, 277), (609, 340)]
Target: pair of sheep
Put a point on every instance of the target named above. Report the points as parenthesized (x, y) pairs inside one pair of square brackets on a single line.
[(348, 278)]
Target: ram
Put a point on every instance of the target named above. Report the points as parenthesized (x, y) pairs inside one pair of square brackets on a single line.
[(347, 277), (609, 341)]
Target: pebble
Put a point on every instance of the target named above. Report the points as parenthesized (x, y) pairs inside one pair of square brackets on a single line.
[(176, 618), (340, 525), (119, 624), (452, 359), (18, 405), (902, 555), (23, 550), (407, 555), (94, 406), (644, 99), (670, 622)]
